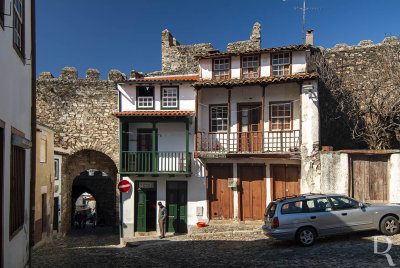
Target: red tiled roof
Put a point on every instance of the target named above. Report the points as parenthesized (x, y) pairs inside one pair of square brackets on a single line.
[(244, 52), (161, 79), (254, 81), (154, 113)]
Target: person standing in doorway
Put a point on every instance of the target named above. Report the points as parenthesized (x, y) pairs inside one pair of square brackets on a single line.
[(162, 218)]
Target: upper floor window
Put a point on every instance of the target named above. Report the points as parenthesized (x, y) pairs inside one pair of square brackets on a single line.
[(18, 35), (56, 169), (281, 64), (281, 116), (221, 69), (169, 97), (43, 149), (250, 65), (145, 97), (219, 118)]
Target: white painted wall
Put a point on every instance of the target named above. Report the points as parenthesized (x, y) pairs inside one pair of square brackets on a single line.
[(15, 111), (394, 178), (298, 65), (298, 62), (128, 97), (310, 118)]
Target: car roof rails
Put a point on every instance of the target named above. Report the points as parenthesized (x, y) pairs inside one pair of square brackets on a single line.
[(296, 196)]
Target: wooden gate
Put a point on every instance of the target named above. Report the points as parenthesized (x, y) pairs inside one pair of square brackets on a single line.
[(219, 195), (285, 180), (252, 191), (368, 180)]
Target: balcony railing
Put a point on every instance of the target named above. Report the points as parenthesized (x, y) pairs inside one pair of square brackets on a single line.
[(146, 162), (248, 142)]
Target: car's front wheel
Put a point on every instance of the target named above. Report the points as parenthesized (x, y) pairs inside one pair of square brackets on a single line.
[(389, 225), (306, 236)]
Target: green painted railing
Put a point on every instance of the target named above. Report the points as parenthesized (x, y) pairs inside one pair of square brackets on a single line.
[(147, 162)]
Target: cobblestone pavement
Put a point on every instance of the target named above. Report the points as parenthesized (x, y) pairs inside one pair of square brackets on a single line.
[(212, 246)]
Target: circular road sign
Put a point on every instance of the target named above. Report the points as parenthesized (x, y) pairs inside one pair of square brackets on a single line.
[(124, 186)]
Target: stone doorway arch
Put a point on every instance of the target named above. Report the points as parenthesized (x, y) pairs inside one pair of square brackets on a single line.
[(73, 184)]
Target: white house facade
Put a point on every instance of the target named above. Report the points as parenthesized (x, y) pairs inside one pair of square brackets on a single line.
[(17, 129)]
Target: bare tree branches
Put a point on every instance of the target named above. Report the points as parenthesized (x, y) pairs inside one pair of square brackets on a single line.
[(366, 87)]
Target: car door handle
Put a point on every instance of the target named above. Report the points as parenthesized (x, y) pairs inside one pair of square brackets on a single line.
[(344, 214), (313, 217)]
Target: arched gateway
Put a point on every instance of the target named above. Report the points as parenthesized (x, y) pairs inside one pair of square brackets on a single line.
[(80, 112)]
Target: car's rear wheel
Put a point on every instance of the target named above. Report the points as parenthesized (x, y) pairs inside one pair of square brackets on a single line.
[(389, 225), (306, 236)]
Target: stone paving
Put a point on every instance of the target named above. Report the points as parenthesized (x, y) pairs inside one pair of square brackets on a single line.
[(238, 246)]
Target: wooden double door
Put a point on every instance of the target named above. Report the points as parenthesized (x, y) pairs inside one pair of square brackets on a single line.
[(250, 127), (145, 206), (368, 180), (252, 195), (285, 180), (251, 191)]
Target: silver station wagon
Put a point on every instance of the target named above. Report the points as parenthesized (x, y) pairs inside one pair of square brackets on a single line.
[(305, 217)]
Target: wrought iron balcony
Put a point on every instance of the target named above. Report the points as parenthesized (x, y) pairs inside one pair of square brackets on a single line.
[(248, 142), (157, 163)]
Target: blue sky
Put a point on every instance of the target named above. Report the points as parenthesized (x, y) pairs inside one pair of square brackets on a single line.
[(126, 34)]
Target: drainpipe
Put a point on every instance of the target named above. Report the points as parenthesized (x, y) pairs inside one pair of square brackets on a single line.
[(33, 132)]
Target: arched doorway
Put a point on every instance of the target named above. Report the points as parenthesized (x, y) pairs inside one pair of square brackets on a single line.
[(101, 187), (95, 173)]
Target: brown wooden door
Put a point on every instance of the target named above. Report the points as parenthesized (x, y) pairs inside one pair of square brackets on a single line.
[(369, 178), (220, 196), (286, 180), (252, 192), (250, 135)]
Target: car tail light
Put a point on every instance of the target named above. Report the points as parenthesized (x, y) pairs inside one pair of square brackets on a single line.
[(275, 223)]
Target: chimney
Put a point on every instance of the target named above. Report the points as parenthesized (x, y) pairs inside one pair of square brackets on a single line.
[(309, 37)]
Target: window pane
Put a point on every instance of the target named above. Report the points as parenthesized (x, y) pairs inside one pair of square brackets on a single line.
[(292, 207)]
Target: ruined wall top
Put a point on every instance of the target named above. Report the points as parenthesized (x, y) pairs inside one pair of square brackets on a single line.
[(71, 74), (364, 44), (253, 43)]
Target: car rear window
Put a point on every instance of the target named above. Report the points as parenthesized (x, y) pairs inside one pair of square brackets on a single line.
[(293, 207), (270, 211)]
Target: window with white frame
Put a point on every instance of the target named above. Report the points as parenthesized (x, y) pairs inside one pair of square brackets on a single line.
[(145, 97), (281, 116), (221, 69), (219, 118), (169, 97), (18, 30), (281, 64), (250, 66)]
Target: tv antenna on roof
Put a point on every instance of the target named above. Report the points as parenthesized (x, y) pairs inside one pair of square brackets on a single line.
[(304, 9)]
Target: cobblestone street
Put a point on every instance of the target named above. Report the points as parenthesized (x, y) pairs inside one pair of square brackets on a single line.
[(100, 248)]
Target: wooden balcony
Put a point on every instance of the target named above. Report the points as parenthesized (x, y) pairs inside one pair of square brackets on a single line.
[(157, 163), (256, 142)]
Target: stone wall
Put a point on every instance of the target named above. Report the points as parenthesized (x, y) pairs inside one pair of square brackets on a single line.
[(177, 59), (80, 113), (347, 60), (252, 44), (80, 110)]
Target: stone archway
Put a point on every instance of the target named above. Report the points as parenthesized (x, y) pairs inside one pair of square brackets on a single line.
[(73, 166), (102, 188)]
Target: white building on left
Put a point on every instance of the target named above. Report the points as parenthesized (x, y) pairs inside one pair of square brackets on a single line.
[(17, 129)]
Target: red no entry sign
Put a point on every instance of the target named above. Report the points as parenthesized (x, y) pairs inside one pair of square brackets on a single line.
[(124, 186)]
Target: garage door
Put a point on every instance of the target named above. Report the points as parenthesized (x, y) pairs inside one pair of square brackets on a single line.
[(252, 192), (368, 180), (220, 196)]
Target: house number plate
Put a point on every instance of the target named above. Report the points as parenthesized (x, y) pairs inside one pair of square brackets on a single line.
[(146, 185)]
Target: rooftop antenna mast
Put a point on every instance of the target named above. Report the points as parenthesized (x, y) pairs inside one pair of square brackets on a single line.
[(304, 9)]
